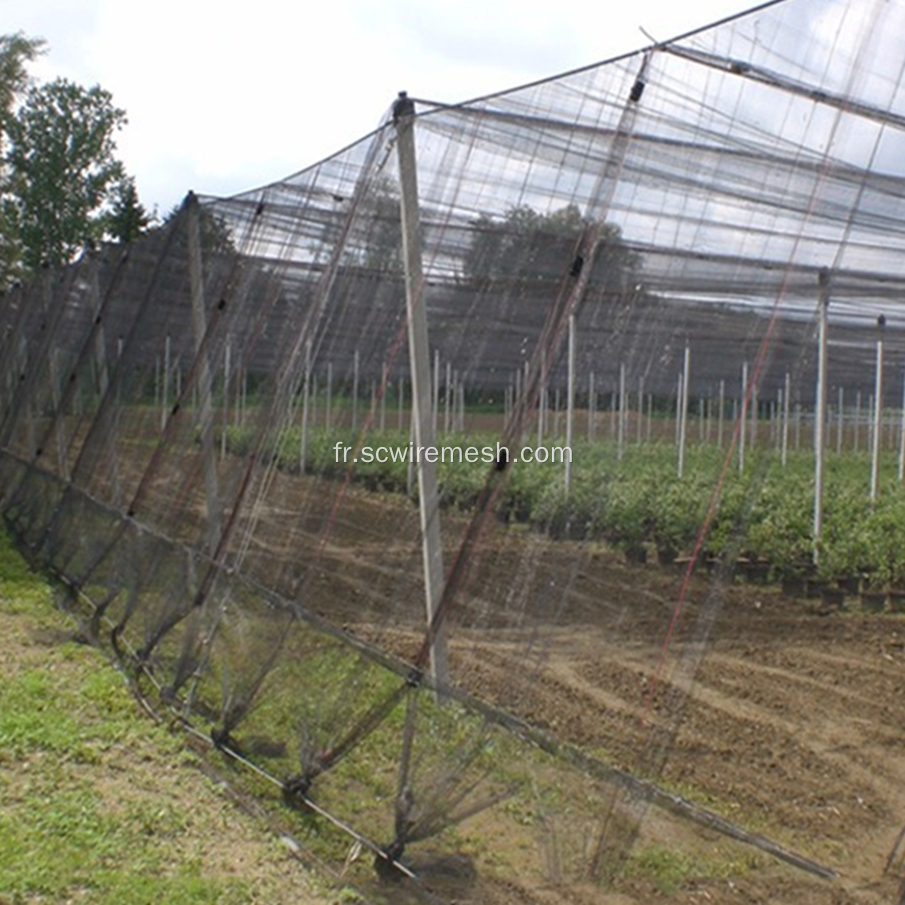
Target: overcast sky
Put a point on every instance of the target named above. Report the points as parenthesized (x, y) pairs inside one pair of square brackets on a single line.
[(223, 97)]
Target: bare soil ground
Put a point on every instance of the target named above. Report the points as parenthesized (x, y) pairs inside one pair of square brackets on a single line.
[(780, 715), (784, 717)]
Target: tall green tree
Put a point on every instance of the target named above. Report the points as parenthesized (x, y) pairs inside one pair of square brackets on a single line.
[(379, 227), (63, 172), (532, 247), (127, 219), (16, 52)]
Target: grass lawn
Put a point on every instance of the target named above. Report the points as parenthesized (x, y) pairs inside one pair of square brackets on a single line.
[(98, 804)]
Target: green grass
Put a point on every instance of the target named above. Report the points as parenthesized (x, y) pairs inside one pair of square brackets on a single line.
[(99, 802)]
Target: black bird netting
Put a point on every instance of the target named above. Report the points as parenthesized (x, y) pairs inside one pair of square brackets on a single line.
[(398, 573)]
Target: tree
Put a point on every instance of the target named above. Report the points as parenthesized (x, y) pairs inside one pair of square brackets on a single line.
[(16, 52), (63, 174), (128, 218), (533, 247), (380, 222)]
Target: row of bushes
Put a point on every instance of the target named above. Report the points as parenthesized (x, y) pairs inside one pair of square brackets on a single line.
[(764, 513)]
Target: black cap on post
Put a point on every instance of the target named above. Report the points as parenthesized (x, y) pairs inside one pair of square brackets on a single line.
[(403, 106)]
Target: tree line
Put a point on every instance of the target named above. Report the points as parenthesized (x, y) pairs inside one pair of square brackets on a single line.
[(62, 187)]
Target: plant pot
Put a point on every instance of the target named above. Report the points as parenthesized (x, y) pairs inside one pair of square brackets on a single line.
[(873, 601), (848, 583), (758, 572), (666, 555), (834, 598), (897, 600), (794, 585), (815, 587), (635, 554)]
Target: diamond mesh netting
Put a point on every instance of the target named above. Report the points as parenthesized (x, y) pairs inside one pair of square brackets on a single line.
[(630, 260)]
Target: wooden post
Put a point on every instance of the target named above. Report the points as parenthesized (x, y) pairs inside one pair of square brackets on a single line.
[(428, 497)]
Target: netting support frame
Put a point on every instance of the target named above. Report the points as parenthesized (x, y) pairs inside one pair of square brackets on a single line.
[(422, 416), (823, 306)]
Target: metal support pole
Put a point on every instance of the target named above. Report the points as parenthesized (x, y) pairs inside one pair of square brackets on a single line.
[(356, 368), (422, 421), (542, 405), (640, 408), (225, 418), (820, 409), (786, 397), (902, 436), (306, 403), (742, 417), (878, 412), (205, 403), (328, 417), (755, 405), (435, 403), (165, 396), (447, 398), (721, 406), (620, 451), (683, 419), (840, 421), (570, 401)]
